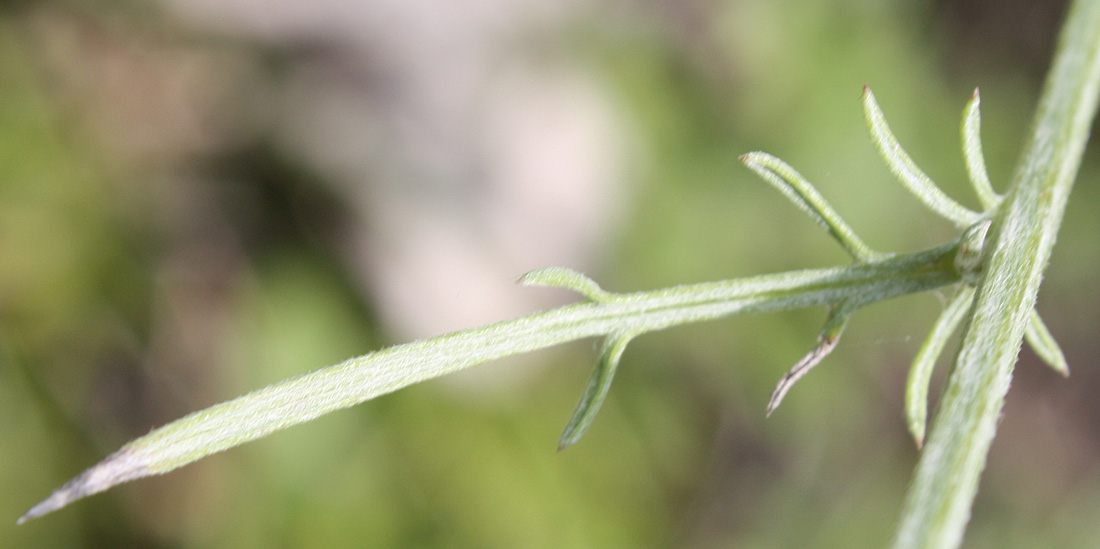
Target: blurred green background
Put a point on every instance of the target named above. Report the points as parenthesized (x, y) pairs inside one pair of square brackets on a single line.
[(198, 198)]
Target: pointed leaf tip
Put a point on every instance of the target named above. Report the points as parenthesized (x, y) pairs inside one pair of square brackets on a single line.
[(1038, 336), (971, 129), (800, 369), (827, 340), (120, 467), (561, 277)]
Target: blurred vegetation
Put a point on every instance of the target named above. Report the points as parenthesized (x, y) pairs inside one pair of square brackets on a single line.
[(163, 247)]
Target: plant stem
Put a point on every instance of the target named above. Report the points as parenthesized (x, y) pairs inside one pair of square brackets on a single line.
[(937, 507)]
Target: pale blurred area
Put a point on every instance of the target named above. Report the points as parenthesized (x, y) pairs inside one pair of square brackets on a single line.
[(461, 146), (198, 198)]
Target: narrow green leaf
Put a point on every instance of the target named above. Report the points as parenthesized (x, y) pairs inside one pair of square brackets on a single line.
[(826, 342), (598, 386), (973, 155), (804, 195), (903, 167), (920, 373), (1044, 345)]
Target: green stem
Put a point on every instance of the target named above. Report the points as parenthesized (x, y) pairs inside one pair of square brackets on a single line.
[(937, 507)]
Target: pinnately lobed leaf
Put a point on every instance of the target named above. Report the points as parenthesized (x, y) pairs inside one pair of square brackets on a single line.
[(620, 316)]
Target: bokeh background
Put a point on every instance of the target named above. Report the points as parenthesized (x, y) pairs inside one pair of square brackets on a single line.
[(200, 197)]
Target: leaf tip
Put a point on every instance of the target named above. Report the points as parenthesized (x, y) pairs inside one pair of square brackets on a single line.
[(780, 391), (122, 466), (596, 391), (1045, 346), (561, 277), (917, 429), (827, 340), (750, 157), (578, 425), (576, 430)]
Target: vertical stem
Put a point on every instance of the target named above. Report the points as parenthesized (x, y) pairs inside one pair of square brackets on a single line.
[(937, 507)]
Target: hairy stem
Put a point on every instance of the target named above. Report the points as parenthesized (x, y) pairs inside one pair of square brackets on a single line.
[(937, 507)]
